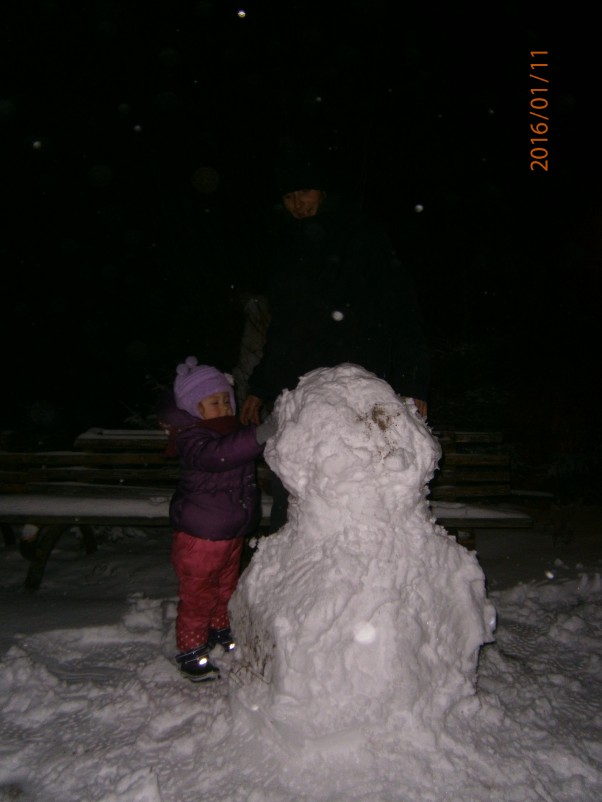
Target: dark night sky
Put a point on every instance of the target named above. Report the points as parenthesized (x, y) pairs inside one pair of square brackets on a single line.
[(120, 265)]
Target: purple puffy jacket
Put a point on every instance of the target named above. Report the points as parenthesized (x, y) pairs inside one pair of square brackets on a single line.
[(217, 497)]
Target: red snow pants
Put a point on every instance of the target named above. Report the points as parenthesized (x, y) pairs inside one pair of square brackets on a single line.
[(207, 572)]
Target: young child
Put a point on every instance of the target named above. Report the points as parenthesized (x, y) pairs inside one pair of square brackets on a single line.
[(215, 505)]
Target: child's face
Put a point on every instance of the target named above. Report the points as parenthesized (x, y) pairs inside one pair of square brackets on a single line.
[(216, 406)]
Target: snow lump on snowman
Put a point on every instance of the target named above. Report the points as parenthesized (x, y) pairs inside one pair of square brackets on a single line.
[(361, 611)]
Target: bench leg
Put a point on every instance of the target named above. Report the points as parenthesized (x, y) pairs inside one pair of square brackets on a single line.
[(90, 544), (47, 538), (465, 537), (8, 533)]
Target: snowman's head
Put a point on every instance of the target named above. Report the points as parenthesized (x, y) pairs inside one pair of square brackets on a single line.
[(344, 432)]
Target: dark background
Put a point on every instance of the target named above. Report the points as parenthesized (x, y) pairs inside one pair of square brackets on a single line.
[(137, 146)]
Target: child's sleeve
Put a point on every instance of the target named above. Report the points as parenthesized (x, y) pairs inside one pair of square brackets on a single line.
[(198, 450)]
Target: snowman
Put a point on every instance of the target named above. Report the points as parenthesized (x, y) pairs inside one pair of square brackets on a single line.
[(361, 611)]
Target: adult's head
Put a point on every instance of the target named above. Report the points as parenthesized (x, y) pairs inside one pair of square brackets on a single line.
[(302, 180), (303, 203)]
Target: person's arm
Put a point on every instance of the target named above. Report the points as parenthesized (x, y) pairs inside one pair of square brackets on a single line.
[(199, 450)]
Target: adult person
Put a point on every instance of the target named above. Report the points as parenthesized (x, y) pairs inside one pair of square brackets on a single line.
[(337, 293)]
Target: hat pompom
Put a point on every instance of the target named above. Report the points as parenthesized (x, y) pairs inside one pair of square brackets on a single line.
[(186, 367)]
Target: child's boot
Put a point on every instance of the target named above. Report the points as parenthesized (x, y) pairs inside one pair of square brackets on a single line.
[(196, 666), (221, 637)]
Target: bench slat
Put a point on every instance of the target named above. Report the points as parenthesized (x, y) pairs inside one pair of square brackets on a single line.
[(78, 490), (484, 477), (452, 436), (117, 476), (478, 460), (97, 439), (450, 493), (56, 459)]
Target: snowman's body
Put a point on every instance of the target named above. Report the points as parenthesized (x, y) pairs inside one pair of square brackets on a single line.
[(361, 607)]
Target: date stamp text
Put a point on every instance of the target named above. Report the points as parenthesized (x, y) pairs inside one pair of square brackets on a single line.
[(539, 118)]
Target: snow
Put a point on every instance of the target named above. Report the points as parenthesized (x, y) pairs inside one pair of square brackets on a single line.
[(454, 509), (155, 506), (360, 672)]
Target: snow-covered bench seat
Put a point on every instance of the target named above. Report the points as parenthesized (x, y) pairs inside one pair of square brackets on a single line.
[(47, 514), (74, 504), (456, 515)]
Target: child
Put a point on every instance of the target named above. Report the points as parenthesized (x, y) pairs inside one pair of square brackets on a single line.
[(214, 506)]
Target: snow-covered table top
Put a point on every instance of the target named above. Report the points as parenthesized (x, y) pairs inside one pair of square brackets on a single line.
[(111, 503), (449, 509)]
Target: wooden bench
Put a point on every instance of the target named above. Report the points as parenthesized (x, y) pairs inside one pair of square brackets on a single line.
[(124, 478), (472, 488), (111, 477)]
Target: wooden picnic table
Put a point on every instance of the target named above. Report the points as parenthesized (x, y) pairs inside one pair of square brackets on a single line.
[(124, 477)]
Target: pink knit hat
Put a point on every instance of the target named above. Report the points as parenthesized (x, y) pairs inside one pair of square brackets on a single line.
[(195, 382)]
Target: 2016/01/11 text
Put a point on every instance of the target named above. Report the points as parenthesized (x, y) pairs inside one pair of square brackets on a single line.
[(539, 125)]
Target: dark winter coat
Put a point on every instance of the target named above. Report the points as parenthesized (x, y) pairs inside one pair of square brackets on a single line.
[(217, 497), (338, 293)]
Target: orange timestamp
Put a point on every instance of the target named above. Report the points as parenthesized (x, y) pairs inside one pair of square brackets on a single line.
[(538, 114)]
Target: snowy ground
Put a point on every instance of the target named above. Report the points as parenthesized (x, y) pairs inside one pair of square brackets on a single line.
[(93, 709)]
